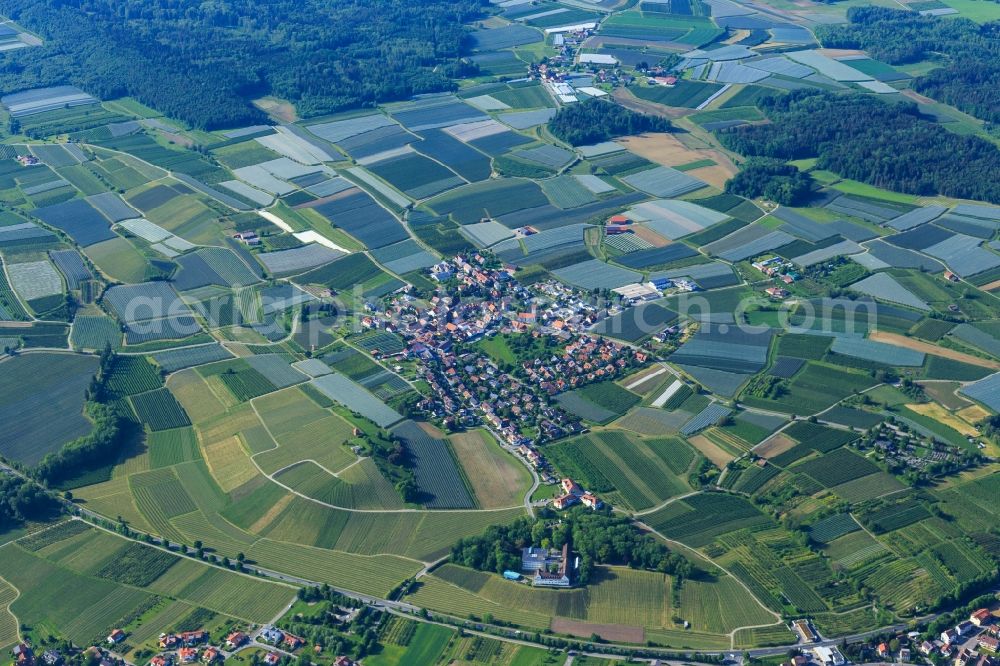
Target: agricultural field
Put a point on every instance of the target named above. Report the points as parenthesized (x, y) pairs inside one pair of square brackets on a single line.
[(106, 584), (42, 403), (497, 479), (307, 375), (624, 467)]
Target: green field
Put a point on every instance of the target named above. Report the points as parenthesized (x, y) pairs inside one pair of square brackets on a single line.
[(700, 518), (619, 596), (814, 388), (41, 403), (113, 581)]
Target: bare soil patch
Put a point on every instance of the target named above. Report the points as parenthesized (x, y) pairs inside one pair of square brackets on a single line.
[(279, 109), (665, 149), (719, 456), (650, 236), (774, 445), (991, 286), (928, 348), (716, 175), (609, 632)]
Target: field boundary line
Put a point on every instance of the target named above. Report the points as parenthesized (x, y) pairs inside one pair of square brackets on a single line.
[(671, 500), (9, 609), (674, 542), (41, 531), (21, 302), (271, 478), (345, 552), (166, 550)]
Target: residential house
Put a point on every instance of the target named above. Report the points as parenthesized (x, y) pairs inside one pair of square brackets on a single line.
[(904, 655), (168, 641), (272, 635), (990, 643), (591, 500), (292, 642), (882, 650), (344, 661), (948, 636), (187, 655), (115, 637), (161, 660), (190, 638), (926, 647), (210, 655), (52, 658), (981, 617), (564, 501), (235, 639), (272, 658), (797, 660), (570, 487), (24, 655)]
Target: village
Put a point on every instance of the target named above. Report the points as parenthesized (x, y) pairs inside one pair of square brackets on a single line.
[(266, 645), (544, 327), (971, 642)]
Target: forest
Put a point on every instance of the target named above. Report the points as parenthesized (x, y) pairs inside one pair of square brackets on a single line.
[(598, 538), (885, 144), (969, 77), (22, 500), (594, 121), (202, 62), (772, 180)]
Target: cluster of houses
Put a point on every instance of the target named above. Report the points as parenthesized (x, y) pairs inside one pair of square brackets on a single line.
[(584, 360), (24, 655), (572, 494), (901, 448), (777, 268), (478, 299), (187, 647), (275, 636), (470, 387), (972, 642)]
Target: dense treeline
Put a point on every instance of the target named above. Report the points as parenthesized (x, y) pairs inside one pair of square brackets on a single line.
[(96, 449), (772, 180), (22, 500), (598, 538), (899, 36), (970, 76), (969, 85), (596, 120), (202, 61), (884, 144)]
